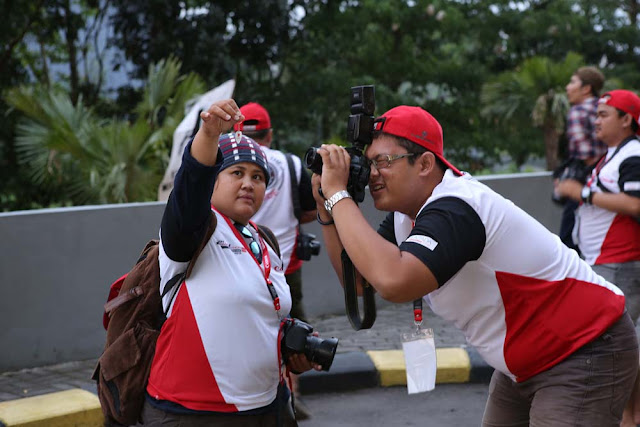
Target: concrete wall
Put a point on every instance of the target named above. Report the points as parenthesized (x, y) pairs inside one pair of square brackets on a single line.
[(56, 266)]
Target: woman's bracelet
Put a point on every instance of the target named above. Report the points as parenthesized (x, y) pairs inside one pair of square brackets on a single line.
[(321, 222)]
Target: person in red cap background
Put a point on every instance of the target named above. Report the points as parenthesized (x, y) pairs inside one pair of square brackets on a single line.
[(537, 313), (608, 228), (278, 210)]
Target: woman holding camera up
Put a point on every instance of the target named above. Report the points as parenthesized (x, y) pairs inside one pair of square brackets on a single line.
[(218, 359)]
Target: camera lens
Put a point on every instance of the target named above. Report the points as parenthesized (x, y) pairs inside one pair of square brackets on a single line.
[(313, 160), (321, 351), (314, 246)]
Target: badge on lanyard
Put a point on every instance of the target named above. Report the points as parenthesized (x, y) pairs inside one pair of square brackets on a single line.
[(419, 350), (238, 134)]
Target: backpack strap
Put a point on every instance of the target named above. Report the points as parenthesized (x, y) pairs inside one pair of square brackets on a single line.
[(181, 277), (295, 196), (269, 237), (119, 299), (116, 302), (213, 223), (264, 231)]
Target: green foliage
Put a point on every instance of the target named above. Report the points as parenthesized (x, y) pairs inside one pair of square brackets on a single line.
[(68, 150), (533, 94), (492, 73)]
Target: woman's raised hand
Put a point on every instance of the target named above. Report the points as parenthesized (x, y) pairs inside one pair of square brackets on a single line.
[(220, 118)]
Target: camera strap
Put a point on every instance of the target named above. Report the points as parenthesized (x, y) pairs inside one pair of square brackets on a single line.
[(295, 197), (284, 376), (602, 163), (351, 297)]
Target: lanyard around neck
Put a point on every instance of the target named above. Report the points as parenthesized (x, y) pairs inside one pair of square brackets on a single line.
[(604, 161), (265, 268)]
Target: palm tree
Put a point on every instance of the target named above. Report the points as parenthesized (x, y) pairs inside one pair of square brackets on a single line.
[(85, 159), (533, 95)]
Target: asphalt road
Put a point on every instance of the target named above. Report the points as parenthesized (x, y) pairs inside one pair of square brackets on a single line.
[(449, 405)]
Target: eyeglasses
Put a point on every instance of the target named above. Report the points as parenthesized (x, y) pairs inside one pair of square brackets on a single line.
[(384, 160), (251, 240)]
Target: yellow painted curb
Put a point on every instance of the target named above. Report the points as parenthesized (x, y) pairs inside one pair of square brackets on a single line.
[(76, 407), (390, 366), (453, 364)]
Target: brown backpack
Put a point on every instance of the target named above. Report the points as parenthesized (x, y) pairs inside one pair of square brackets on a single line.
[(133, 318)]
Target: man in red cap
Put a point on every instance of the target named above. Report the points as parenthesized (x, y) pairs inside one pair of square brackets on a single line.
[(549, 325), (608, 227)]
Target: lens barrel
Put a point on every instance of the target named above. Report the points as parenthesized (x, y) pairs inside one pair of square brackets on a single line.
[(313, 160), (321, 351)]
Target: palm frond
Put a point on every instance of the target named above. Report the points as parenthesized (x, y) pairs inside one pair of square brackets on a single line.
[(67, 150)]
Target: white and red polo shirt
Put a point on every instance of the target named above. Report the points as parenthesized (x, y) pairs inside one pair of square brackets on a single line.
[(218, 349), (523, 299), (604, 236)]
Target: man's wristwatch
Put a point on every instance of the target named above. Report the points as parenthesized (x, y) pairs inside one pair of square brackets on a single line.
[(586, 195), (331, 201)]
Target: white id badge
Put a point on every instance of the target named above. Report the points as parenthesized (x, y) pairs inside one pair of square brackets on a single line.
[(420, 359)]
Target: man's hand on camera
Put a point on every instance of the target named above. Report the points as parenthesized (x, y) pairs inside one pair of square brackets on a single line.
[(335, 169), (298, 363), (569, 188), (220, 118), (315, 186)]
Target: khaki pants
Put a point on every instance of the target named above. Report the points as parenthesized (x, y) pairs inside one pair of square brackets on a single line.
[(626, 276), (589, 389)]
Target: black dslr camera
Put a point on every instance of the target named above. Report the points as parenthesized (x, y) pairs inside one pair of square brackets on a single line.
[(359, 135), (570, 169), (297, 338), (307, 246)]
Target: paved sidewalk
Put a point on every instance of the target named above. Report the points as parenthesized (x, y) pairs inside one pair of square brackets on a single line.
[(392, 320), (64, 394)]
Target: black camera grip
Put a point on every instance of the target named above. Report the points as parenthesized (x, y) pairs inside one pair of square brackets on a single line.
[(351, 297)]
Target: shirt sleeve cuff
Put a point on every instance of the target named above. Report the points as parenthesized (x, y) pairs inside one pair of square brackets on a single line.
[(198, 168)]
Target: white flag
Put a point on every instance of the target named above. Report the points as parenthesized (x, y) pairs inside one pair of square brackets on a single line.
[(185, 131)]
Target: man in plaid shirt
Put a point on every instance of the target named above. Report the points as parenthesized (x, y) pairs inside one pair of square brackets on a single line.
[(582, 91)]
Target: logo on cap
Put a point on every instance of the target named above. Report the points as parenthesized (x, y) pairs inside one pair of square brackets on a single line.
[(422, 136), (604, 99)]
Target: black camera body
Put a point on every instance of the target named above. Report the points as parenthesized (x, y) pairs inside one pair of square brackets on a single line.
[(307, 246), (572, 168), (297, 338), (359, 135)]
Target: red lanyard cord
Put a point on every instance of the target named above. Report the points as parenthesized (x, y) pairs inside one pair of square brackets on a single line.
[(266, 271), (417, 304), (265, 268)]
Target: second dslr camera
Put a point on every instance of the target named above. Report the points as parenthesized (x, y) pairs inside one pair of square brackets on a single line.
[(571, 169), (307, 246)]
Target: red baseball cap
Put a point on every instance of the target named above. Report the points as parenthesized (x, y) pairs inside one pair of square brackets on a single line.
[(256, 118), (416, 125), (623, 100)]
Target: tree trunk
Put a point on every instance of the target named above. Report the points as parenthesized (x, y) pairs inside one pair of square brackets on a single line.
[(551, 138), (633, 8), (71, 33)]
